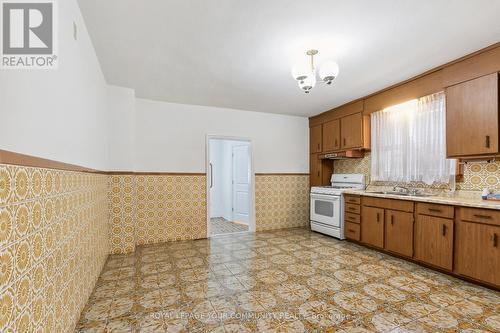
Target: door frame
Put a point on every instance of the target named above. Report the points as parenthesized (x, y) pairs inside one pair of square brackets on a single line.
[(251, 218)]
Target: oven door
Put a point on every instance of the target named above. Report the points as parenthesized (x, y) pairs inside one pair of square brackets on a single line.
[(325, 209)]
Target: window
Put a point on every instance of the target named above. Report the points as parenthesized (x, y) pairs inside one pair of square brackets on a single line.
[(409, 142)]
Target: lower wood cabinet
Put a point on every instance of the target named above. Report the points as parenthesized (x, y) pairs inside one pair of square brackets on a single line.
[(399, 232), (372, 226), (352, 231), (477, 254), (434, 241)]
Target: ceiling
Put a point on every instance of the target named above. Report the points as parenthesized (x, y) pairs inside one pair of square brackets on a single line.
[(238, 53)]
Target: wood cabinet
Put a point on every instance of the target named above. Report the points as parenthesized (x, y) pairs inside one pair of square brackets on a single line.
[(315, 176), (434, 241), (372, 226), (352, 218), (399, 232), (477, 251), (331, 135), (320, 171), (472, 117), (315, 139), (351, 128)]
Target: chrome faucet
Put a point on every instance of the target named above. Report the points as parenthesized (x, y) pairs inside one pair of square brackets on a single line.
[(401, 189), (406, 190)]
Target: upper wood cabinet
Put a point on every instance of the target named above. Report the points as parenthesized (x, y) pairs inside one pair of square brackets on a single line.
[(352, 131), (355, 131), (472, 117), (315, 139), (331, 135)]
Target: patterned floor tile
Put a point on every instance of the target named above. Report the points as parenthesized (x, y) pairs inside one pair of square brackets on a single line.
[(289, 280)]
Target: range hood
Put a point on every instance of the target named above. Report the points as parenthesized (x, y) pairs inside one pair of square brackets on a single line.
[(343, 155)]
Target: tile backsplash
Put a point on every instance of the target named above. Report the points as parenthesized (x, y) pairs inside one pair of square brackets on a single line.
[(477, 175)]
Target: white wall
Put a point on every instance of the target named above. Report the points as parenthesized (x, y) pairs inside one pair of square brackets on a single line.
[(58, 114), (172, 137), (121, 108)]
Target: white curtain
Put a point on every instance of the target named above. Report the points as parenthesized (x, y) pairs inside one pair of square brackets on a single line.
[(409, 142)]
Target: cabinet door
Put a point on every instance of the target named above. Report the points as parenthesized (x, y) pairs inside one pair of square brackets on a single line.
[(331, 135), (477, 251), (315, 176), (315, 138), (372, 226), (351, 129), (399, 232), (434, 241), (472, 117)]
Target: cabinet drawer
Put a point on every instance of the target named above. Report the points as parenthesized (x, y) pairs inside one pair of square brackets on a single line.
[(353, 218), (402, 205), (352, 231), (350, 208), (487, 216), (352, 199), (436, 210)]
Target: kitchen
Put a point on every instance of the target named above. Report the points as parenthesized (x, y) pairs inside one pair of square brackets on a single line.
[(445, 225), (261, 166)]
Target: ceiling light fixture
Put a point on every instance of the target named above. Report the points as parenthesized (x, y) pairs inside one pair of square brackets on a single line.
[(306, 74)]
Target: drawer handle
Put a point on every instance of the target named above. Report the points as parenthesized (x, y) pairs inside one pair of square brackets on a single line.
[(482, 216), (443, 228), (352, 200), (352, 208), (435, 210), (494, 240), (350, 230)]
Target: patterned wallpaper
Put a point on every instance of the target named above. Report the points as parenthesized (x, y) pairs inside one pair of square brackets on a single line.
[(281, 202), (477, 175), (53, 244), (154, 209)]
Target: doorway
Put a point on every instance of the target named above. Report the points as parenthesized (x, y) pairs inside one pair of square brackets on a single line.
[(230, 186)]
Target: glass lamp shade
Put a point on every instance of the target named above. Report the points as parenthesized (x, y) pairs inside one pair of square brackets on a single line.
[(307, 84), (328, 71), (301, 71)]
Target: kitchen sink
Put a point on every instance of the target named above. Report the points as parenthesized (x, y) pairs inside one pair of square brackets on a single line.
[(403, 194)]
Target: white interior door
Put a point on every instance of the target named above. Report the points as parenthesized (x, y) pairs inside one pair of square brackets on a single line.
[(241, 184)]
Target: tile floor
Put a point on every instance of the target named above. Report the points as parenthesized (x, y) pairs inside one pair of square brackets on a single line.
[(220, 226), (289, 280)]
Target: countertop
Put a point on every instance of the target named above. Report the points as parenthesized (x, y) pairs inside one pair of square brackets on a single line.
[(456, 199)]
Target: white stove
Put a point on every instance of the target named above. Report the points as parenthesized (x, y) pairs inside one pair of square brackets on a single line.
[(327, 203)]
